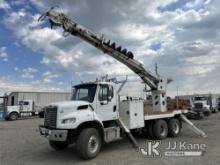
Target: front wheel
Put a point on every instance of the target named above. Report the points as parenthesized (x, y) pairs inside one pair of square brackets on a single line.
[(89, 143), (58, 145), (13, 116), (7, 118), (207, 113)]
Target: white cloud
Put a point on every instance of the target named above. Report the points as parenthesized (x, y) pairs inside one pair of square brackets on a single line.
[(4, 5), (28, 72), (45, 60), (16, 69), (189, 39), (3, 54), (8, 85), (48, 76), (197, 4)]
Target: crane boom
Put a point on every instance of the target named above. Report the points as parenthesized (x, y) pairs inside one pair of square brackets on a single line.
[(72, 27)]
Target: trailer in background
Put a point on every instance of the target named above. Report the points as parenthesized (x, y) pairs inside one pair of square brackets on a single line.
[(26, 104)]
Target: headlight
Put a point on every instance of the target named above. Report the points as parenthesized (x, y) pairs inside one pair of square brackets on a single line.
[(69, 121)]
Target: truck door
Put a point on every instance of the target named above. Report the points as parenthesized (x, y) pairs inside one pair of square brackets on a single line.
[(26, 106), (106, 103)]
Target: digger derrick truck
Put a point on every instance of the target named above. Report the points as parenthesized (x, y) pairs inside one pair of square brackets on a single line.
[(96, 114)]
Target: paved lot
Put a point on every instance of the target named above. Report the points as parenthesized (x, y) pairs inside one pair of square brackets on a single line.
[(20, 144)]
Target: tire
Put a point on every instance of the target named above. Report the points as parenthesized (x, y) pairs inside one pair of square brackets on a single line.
[(207, 113), (160, 129), (13, 116), (174, 127), (150, 130), (88, 143), (41, 114), (56, 145), (7, 118)]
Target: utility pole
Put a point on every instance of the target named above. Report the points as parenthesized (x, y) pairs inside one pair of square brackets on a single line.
[(156, 69), (177, 98)]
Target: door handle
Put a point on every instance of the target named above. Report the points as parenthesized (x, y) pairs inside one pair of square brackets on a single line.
[(114, 108)]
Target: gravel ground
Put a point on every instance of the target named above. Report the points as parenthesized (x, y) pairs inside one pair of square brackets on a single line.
[(21, 144)]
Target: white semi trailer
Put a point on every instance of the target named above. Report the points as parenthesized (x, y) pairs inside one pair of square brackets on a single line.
[(96, 114)]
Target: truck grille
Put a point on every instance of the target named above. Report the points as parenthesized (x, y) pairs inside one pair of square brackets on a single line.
[(198, 105), (50, 116)]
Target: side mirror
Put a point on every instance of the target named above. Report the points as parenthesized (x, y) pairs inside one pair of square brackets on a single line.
[(104, 102)]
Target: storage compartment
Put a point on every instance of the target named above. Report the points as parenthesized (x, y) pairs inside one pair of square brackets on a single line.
[(112, 134), (132, 113)]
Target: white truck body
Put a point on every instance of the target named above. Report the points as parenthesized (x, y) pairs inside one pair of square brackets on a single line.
[(98, 107), (131, 112), (201, 105), (25, 108)]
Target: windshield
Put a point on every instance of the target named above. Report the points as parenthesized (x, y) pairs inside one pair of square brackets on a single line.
[(23, 103), (84, 92), (200, 98)]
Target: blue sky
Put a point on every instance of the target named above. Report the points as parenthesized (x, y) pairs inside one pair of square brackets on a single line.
[(173, 33), (20, 58)]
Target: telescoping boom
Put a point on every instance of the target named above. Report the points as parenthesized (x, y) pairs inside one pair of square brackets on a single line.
[(122, 55), (156, 83)]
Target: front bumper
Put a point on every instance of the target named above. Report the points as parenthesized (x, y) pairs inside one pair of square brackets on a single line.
[(52, 134), (201, 110)]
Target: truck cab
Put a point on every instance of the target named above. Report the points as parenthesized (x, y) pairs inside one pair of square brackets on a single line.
[(101, 97), (89, 102), (24, 108), (201, 105), (89, 117)]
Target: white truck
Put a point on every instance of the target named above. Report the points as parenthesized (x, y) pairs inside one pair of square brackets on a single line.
[(218, 103), (218, 106), (25, 108), (201, 104), (213, 104), (96, 114)]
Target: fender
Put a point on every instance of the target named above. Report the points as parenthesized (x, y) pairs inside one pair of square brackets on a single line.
[(81, 116), (9, 113), (92, 124)]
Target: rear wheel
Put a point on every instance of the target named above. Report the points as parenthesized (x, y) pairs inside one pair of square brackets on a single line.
[(174, 127), (150, 130), (160, 129), (58, 145), (89, 143), (13, 116)]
